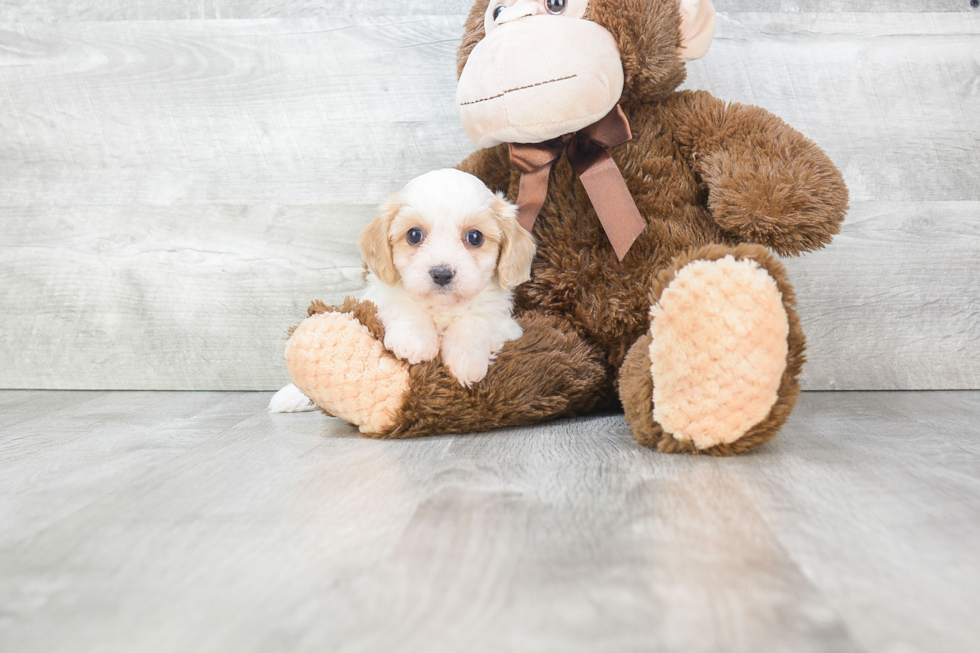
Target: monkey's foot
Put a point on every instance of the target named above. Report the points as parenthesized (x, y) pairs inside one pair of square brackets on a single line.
[(717, 372), (337, 359)]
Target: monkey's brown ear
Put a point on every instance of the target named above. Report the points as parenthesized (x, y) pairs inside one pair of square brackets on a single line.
[(697, 28), (375, 242), (516, 249)]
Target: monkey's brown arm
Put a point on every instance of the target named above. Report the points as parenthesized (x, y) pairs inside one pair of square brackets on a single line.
[(767, 183), (492, 166)]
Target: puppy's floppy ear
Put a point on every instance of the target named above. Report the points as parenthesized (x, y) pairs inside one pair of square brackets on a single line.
[(516, 248), (375, 242)]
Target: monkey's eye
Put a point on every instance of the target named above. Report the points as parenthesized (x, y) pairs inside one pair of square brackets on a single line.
[(556, 6), (497, 12), (414, 236), (474, 238)]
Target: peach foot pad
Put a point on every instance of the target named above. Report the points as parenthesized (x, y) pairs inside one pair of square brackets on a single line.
[(718, 352), (345, 370)]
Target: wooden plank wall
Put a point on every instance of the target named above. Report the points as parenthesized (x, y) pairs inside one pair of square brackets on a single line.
[(180, 178)]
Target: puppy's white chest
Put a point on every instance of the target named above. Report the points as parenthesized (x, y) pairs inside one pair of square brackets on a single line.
[(442, 320)]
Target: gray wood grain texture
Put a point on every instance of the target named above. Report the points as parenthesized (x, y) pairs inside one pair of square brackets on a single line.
[(173, 522), (116, 10), (176, 192), (842, 6)]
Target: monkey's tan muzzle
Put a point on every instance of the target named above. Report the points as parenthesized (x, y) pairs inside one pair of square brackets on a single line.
[(537, 78)]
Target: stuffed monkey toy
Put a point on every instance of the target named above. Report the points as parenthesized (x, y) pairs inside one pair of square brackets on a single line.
[(656, 213)]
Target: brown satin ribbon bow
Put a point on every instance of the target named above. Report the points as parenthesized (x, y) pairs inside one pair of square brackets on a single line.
[(588, 152)]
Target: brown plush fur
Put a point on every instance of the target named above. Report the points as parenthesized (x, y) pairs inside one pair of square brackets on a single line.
[(549, 372), (710, 178), (635, 387)]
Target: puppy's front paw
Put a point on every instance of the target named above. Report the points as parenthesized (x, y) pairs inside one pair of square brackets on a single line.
[(467, 362), (506, 331), (412, 345)]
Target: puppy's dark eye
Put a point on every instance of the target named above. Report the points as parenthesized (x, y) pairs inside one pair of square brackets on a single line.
[(497, 12), (474, 238), (414, 236), (556, 6)]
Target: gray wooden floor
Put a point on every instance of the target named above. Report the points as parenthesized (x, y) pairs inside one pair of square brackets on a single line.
[(198, 522)]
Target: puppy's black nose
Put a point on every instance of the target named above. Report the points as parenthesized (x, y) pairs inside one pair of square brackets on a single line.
[(441, 275)]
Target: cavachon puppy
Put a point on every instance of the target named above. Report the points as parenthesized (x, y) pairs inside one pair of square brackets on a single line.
[(444, 255)]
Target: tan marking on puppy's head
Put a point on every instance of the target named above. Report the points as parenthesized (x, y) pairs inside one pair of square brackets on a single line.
[(516, 247), (408, 217), (376, 244)]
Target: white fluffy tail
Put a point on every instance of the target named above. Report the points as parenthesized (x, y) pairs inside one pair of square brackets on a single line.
[(290, 400)]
